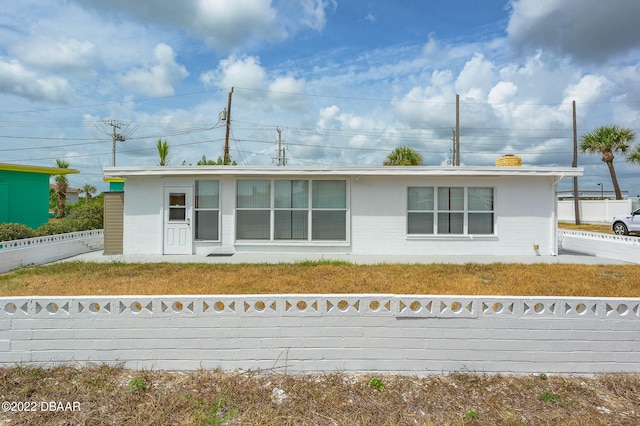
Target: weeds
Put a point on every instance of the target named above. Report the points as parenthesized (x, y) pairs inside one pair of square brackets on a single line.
[(138, 384), (548, 396), (213, 397), (322, 262), (376, 384), (470, 414), (211, 413)]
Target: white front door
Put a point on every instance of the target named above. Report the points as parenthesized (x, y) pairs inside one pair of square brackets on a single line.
[(177, 238)]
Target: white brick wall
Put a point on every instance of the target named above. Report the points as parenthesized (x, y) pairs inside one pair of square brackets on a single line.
[(307, 333), (40, 250), (609, 246)]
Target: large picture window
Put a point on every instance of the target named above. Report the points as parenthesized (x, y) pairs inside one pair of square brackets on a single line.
[(285, 209), (207, 210), (450, 211)]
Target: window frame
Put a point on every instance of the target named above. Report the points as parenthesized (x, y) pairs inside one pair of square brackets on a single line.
[(309, 209), (435, 211)]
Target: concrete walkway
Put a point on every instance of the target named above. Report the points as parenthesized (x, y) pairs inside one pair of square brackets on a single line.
[(563, 257)]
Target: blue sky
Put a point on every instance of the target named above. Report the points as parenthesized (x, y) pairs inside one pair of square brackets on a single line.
[(345, 81)]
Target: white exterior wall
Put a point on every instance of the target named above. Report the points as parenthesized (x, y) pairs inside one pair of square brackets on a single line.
[(143, 201), (409, 334), (524, 217)]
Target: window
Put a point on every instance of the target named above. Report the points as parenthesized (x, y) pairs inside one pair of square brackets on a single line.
[(253, 209), (450, 211), (329, 218), (283, 209), (207, 210), (291, 215), (177, 207), (420, 211)]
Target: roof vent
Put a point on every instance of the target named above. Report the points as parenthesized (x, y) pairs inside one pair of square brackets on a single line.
[(509, 160)]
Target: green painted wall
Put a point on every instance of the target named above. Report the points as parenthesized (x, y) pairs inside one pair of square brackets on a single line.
[(116, 186), (24, 198)]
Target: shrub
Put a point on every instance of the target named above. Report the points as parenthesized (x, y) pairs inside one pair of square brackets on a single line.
[(85, 217), (15, 231), (61, 226)]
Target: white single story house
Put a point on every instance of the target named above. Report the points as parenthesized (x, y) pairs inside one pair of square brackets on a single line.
[(349, 210)]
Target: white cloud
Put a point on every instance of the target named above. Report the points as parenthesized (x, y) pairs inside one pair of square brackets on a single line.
[(69, 55), (589, 89), (260, 91), (19, 81), (157, 79), (476, 78), (502, 93), (244, 71), (288, 93), (313, 15)]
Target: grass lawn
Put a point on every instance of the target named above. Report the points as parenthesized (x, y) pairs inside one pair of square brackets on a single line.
[(591, 227), (84, 278)]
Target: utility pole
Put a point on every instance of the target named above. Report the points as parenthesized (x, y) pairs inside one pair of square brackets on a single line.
[(226, 159), (282, 156), (453, 148), (115, 137), (115, 125), (576, 198), (457, 151)]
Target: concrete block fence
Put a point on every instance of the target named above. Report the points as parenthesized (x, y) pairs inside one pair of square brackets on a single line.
[(609, 246), (406, 334), (40, 250)]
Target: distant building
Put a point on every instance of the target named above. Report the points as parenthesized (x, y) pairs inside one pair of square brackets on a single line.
[(24, 193), (73, 194)]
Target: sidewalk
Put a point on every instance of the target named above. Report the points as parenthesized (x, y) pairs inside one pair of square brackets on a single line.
[(563, 257)]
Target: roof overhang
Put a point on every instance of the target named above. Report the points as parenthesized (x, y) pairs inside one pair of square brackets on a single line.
[(37, 169), (183, 171)]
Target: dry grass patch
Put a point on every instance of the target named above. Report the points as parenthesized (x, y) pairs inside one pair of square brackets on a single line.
[(590, 227), (83, 278), (113, 395)]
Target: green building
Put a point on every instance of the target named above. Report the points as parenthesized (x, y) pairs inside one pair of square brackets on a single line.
[(24, 193)]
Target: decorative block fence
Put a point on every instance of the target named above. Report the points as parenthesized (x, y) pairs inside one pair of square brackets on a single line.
[(405, 334), (37, 251), (609, 246)]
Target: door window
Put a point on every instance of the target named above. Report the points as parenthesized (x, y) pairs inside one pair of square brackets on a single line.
[(177, 207)]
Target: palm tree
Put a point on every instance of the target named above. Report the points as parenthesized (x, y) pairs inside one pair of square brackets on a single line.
[(403, 156), (87, 190), (634, 156), (62, 184), (606, 141), (163, 152)]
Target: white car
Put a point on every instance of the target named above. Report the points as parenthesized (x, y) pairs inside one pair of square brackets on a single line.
[(623, 224)]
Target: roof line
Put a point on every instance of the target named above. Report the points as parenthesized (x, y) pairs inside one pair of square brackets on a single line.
[(37, 169)]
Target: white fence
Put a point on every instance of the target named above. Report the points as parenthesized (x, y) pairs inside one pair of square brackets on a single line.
[(609, 246), (37, 251), (407, 334), (594, 211)]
